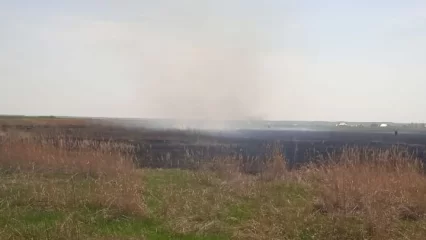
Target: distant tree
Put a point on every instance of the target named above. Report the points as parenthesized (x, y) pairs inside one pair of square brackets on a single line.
[(374, 125)]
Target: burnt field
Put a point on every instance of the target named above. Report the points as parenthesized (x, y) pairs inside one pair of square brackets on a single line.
[(165, 148)]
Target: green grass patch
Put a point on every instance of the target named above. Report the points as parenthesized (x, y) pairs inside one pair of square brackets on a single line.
[(179, 205)]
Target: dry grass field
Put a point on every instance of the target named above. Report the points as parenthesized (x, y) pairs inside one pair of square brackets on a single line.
[(95, 192)]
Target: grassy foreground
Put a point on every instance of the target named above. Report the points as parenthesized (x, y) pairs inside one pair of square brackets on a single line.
[(94, 192)]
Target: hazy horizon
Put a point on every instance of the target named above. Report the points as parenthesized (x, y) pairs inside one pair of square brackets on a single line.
[(189, 120), (274, 60)]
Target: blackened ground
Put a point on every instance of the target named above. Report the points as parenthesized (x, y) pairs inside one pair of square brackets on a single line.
[(254, 146), (189, 149)]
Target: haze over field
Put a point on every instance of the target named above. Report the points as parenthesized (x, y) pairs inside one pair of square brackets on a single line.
[(291, 60)]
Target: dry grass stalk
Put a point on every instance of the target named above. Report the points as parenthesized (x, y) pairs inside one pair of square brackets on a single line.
[(64, 155), (65, 173), (276, 166), (381, 186)]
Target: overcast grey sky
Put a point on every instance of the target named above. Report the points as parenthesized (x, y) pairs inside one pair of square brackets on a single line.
[(290, 60)]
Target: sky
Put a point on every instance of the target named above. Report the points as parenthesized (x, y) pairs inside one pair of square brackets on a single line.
[(333, 60)]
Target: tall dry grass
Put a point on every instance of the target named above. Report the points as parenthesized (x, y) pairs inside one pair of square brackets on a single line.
[(382, 187), (65, 155), (64, 173)]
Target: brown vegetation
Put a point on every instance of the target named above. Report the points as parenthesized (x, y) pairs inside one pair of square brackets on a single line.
[(357, 194), (48, 173), (38, 121), (381, 187)]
